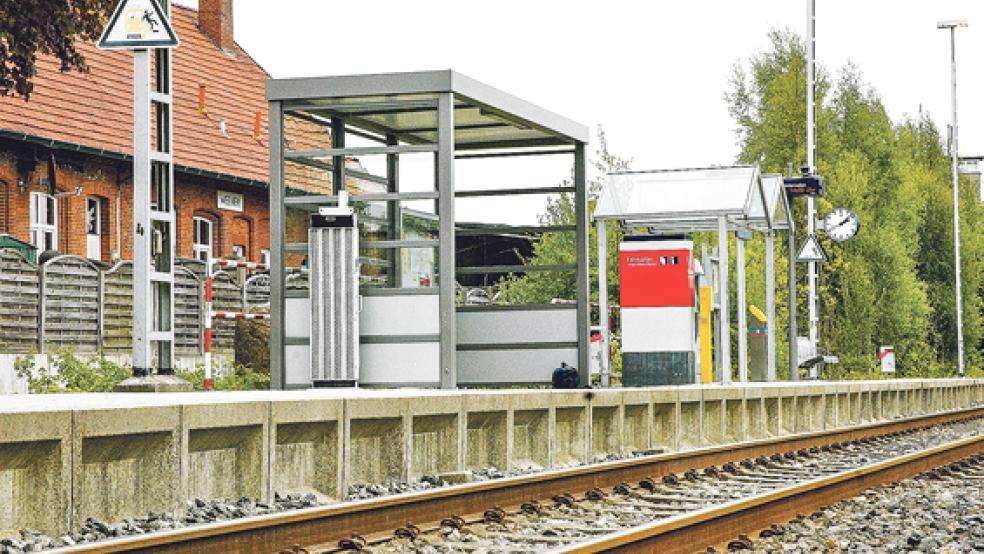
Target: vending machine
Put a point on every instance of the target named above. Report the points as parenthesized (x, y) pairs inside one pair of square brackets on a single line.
[(658, 299)]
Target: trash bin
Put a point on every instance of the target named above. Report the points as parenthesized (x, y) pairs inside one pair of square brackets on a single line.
[(758, 345), (25, 248)]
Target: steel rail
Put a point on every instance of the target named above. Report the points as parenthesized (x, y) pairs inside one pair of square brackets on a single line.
[(327, 524), (696, 531)]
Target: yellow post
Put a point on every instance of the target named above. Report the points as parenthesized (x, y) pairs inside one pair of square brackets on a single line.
[(706, 360)]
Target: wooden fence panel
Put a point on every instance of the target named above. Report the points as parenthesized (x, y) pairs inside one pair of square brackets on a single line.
[(117, 323), (19, 303), (188, 305), (256, 291), (228, 297), (70, 304)]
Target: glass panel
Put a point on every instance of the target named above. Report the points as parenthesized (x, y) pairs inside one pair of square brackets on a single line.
[(92, 216), (713, 190), (50, 209)]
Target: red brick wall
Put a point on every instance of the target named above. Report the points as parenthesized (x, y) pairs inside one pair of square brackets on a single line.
[(98, 177)]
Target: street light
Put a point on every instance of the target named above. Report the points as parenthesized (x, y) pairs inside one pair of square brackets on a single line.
[(952, 25)]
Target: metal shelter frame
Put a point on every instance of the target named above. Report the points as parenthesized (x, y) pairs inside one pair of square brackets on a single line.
[(442, 113), (717, 199)]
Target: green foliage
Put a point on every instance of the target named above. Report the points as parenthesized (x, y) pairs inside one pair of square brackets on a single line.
[(892, 284), (50, 27), (253, 344), (240, 378), (66, 372), (559, 248)]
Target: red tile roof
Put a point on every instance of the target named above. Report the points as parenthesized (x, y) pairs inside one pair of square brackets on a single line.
[(96, 109)]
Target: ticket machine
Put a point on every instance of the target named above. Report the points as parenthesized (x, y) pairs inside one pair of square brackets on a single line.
[(658, 293)]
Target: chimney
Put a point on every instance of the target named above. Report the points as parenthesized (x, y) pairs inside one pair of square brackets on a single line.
[(215, 19)]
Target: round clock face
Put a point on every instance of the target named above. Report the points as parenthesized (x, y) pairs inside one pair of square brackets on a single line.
[(841, 224)]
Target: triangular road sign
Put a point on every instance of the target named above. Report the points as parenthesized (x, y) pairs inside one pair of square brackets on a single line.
[(138, 24), (811, 251)]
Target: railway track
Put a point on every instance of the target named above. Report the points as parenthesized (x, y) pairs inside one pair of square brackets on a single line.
[(678, 502)]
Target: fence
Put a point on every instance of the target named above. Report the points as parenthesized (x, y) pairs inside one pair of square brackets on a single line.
[(71, 301)]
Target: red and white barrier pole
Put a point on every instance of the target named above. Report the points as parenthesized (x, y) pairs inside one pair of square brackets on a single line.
[(208, 328)]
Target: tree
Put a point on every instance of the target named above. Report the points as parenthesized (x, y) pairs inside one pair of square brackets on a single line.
[(47, 27), (559, 247), (892, 284)]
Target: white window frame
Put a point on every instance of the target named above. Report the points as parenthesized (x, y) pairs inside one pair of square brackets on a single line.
[(40, 217), (265, 256), (202, 251)]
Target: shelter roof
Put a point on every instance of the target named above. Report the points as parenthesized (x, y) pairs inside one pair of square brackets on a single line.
[(405, 105), (690, 200)]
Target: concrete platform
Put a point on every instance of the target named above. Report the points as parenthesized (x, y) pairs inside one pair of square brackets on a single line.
[(67, 457)]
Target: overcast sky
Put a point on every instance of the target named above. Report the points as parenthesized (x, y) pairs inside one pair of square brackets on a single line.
[(651, 73)]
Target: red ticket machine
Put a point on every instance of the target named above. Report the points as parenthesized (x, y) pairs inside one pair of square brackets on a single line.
[(658, 293)]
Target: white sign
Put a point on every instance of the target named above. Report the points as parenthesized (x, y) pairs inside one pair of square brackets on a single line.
[(138, 24), (887, 356), (232, 201), (811, 251)]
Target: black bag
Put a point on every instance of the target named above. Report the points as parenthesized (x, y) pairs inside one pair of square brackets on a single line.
[(565, 377)]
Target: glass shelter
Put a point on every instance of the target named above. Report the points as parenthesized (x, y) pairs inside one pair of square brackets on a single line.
[(724, 200), (394, 143)]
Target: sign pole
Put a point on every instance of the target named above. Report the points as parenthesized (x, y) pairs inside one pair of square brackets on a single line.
[(139, 25), (811, 208), (142, 305)]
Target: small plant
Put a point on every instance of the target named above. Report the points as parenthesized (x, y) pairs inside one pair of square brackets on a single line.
[(240, 378), (66, 372)]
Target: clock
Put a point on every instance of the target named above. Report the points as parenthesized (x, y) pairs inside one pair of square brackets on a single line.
[(841, 224)]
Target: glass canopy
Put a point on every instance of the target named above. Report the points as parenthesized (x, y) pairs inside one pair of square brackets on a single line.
[(694, 199)]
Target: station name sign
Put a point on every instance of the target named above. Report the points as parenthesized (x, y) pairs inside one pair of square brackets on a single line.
[(809, 185)]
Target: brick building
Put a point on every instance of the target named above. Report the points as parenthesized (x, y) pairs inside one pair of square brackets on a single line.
[(65, 155)]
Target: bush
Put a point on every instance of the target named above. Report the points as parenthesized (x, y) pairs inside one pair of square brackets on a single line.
[(240, 378), (66, 372)]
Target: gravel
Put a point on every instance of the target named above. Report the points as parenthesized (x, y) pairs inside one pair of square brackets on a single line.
[(939, 515), (196, 512)]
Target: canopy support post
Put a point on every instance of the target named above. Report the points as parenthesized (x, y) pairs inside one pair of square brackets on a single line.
[(742, 309), (770, 305), (791, 250), (724, 328), (605, 362)]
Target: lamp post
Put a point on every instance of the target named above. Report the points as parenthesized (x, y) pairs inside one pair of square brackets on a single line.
[(952, 25)]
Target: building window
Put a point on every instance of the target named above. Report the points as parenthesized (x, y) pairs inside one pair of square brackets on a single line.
[(44, 230), (204, 239), (265, 256), (239, 251)]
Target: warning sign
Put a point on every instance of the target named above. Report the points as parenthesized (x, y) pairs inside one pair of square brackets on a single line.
[(138, 24), (811, 251), (887, 356)]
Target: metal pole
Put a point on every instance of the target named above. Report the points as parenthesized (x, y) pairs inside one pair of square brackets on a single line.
[(583, 262), (954, 152), (811, 208), (742, 309), (446, 248), (278, 270), (770, 305), (724, 325), (143, 304), (791, 262), (394, 213), (606, 376)]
